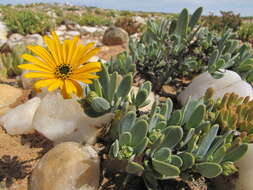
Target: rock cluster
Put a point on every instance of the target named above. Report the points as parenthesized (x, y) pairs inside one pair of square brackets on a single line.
[(57, 119)]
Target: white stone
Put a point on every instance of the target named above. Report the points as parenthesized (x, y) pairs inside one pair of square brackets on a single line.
[(3, 33), (59, 32), (231, 82), (72, 33), (62, 120), (62, 28), (87, 129), (15, 40), (88, 29), (57, 117), (68, 166), (245, 166), (33, 39), (19, 120), (139, 19)]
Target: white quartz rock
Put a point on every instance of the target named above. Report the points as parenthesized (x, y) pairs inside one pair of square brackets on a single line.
[(57, 117), (231, 82), (87, 129), (245, 166), (19, 120)]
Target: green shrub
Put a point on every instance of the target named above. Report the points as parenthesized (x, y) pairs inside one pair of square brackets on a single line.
[(126, 13), (167, 144), (11, 59), (94, 20), (228, 20), (245, 33), (68, 17), (27, 21), (171, 50), (111, 13)]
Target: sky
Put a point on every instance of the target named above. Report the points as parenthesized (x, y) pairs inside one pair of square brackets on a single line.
[(244, 7)]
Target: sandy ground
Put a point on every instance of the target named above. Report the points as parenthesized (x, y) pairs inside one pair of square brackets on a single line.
[(18, 156)]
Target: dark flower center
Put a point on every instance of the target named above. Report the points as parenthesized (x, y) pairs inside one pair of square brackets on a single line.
[(63, 71)]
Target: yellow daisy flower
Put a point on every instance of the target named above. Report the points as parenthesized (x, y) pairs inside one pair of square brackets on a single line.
[(62, 65)]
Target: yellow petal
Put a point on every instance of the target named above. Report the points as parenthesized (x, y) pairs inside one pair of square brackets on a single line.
[(33, 67), (36, 61), (89, 67), (58, 47), (70, 87), (86, 81), (57, 84), (89, 55), (44, 54), (83, 51), (64, 93), (39, 75), (66, 46), (76, 56), (43, 83), (52, 48), (72, 48), (79, 89)]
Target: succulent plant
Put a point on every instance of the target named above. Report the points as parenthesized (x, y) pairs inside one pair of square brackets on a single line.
[(233, 113), (111, 92), (11, 60), (123, 64), (171, 50), (165, 144), (229, 55)]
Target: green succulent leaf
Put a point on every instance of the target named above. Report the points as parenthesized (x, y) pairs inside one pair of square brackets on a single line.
[(100, 105), (125, 139), (139, 148), (113, 153), (141, 97), (207, 141), (104, 80), (236, 153), (127, 122), (139, 131), (113, 84), (177, 161), (125, 86), (175, 118), (188, 160), (173, 135), (195, 17), (134, 168), (196, 117), (162, 154), (209, 169), (166, 169), (182, 23)]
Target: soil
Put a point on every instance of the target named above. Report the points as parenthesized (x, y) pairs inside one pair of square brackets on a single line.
[(106, 52), (18, 156)]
